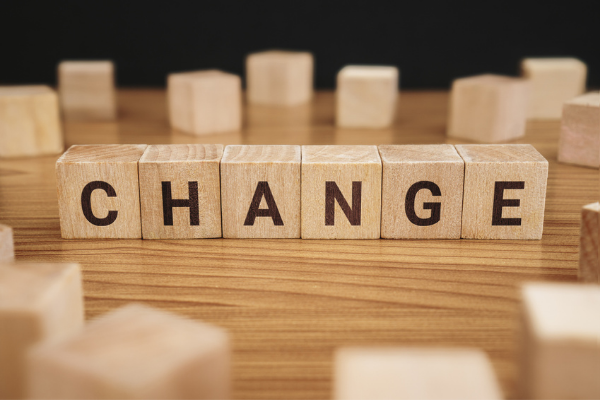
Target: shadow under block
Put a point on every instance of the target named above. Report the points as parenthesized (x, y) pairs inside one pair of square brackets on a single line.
[(37, 302), (135, 352), (580, 131), (98, 191), (366, 96), (29, 121), (553, 82), (394, 373), (261, 191), (589, 242), (180, 191), (560, 354), (87, 90), (204, 102), (341, 192), (279, 78), (422, 192), (488, 108), (7, 248), (504, 191)]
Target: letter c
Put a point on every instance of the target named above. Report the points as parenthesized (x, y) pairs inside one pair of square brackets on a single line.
[(86, 204)]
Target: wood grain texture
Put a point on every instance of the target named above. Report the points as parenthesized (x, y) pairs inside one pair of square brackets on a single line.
[(580, 131), (589, 250), (7, 248), (264, 177)]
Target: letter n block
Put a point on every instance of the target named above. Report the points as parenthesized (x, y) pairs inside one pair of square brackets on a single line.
[(504, 191), (180, 191), (341, 192), (98, 191), (261, 191), (589, 242)]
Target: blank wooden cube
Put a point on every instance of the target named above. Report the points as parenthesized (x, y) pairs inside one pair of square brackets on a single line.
[(7, 248), (279, 78), (135, 352), (261, 191), (580, 131), (180, 191), (98, 191), (366, 96), (553, 82), (589, 257), (488, 108), (29, 121), (37, 302), (204, 102), (504, 191), (394, 373), (560, 353), (422, 192), (341, 192), (87, 90)]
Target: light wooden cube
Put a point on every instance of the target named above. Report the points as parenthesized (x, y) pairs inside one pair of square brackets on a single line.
[(37, 302), (135, 352), (504, 191), (366, 96), (553, 82), (279, 78), (394, 373), (422, 192), (488, 108), (261, 191), (98, 191), (29, 121), (204, 102), (180, 191), (87, 90), (560, 353), (341, 192), (589, 242), (580, 131), (7, 247)]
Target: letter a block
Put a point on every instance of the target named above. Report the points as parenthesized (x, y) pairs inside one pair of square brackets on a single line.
[(261, 191), (580, 131), (504, 192), (98, 191), (589, 242), (180, 191), (341, 192), (422, 192), (7, 248)]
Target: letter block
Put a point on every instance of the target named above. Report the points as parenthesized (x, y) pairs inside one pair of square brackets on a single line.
[(180, 191), (422, 192), (37, 302), (580, 131), (504, 191), (135, 352), (261, 191), (7, 248), (363, 373), (98, 191), (341, 192), (589, 242)]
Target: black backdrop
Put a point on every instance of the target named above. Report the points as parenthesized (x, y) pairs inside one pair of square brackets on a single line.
[(431, 42)]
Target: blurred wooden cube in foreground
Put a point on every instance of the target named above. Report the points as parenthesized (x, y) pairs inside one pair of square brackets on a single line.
[(580, 131), (589, 242), (7, 247)]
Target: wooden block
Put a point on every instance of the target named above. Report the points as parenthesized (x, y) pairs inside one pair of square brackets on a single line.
[(589, 260), (135, 352), (87, 90), (580, 131), (279, 78), (98, 191), (29, 121), (504, 192), (560, 350), (341, 192), (422, 192), (7, 247), (180, 191), (553, 82), (488, 108), (366, 96), (37, 302), (261, 191), (204, 102), (395, 373)]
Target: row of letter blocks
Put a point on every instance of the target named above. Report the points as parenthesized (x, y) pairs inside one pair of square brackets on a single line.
[(313, 192)]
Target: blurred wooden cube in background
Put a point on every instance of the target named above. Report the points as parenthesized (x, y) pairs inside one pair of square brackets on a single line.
[(589, 242), (580, 131), (7, 247)]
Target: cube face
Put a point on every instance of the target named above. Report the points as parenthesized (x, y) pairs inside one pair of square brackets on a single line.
[(7, 249), (180, 191), (589, 244), (98, 191), (580, 131), (261, 191)]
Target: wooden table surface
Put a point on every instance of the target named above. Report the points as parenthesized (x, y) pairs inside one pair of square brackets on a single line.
[(289, 303)]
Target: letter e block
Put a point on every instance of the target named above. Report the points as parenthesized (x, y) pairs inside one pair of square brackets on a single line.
[(580, 131), (589, 257), (7, 247)]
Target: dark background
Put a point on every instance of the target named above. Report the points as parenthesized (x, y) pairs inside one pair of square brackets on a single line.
[(431, 42)]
